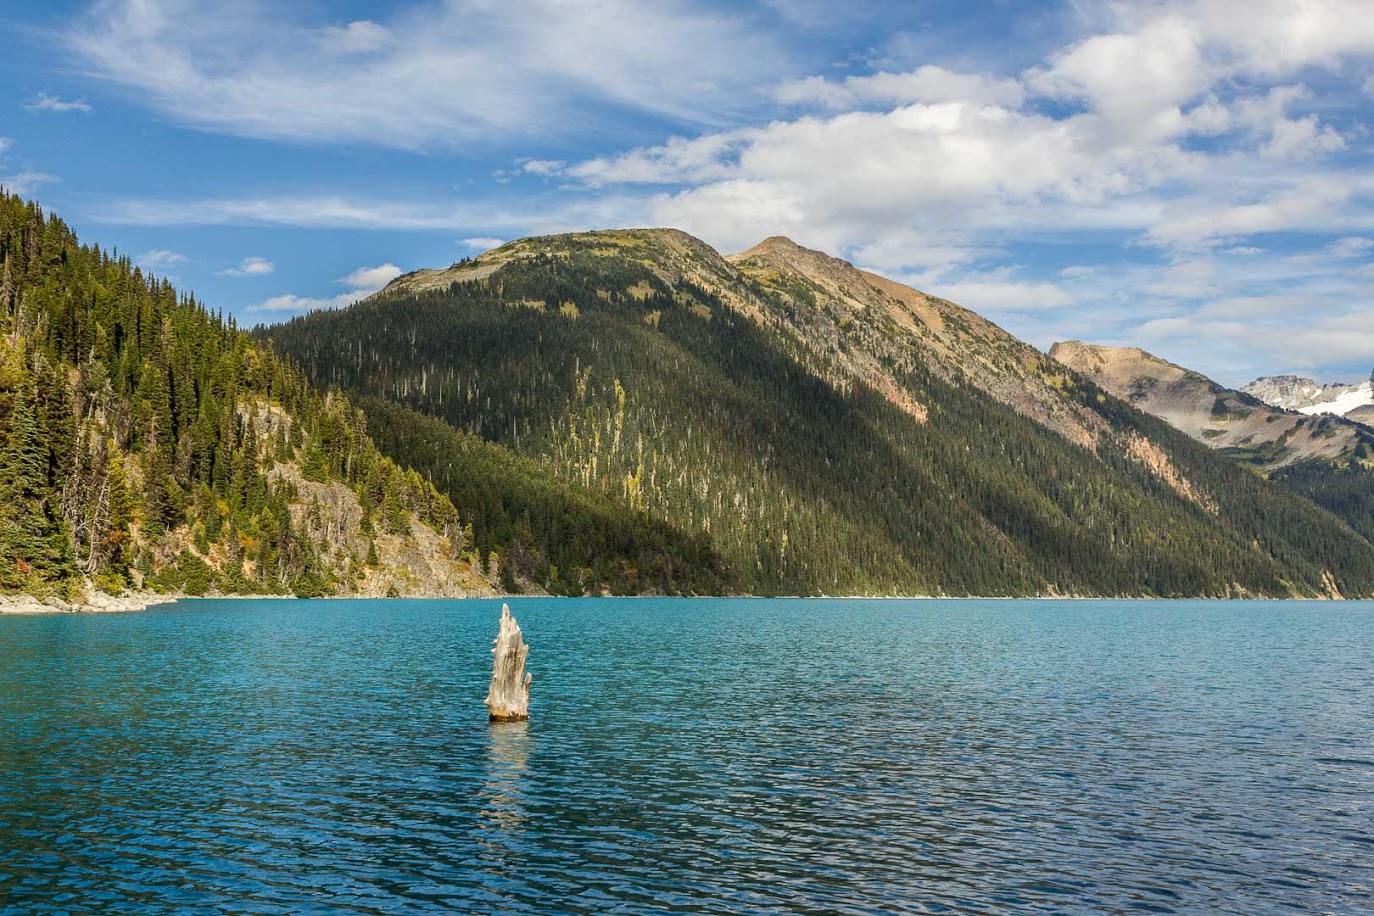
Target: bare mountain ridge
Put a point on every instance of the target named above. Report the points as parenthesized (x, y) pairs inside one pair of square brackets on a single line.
[(854, 322), (860, 318), (1223, 418)]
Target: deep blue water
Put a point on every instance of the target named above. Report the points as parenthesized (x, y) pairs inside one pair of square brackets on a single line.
[(725, 756)]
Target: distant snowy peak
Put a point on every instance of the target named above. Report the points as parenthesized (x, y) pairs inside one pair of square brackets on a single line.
[(1306, 396), (1345, 400), (1287, 391)]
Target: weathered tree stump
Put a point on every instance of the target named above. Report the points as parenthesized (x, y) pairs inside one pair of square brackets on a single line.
[(508, 698)]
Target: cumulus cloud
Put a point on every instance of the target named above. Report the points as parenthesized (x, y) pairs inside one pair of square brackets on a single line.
[(250, 267), (372, 277), (542, 167), (45, 102), (159, 259), (482, 243), (430, 75), (359, 284)]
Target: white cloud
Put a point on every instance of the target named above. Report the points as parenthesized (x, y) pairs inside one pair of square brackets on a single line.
[(358, 37), (1191, 279), (1312, 204), (483, 243), (432, 75), (1281, 136), (509, 217), (360, 284), (1279, 37), (250, 267), (1135, 81), (309, 212), (25, 184), (542, 167), (372, 277), (46, 102), (925, 84), (1164, 128), (677, 161), (159, 259), (999, 291), (1353, 247)]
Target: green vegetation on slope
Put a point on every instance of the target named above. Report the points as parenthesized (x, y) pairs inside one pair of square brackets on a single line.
[(146, 442), (1345, 489), (631, 378), (564, 537)]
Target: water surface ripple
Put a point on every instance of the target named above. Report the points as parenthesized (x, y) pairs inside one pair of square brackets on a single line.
[(705, 755)]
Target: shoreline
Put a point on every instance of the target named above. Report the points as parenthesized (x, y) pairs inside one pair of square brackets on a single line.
[(96, 603), (110, 604)]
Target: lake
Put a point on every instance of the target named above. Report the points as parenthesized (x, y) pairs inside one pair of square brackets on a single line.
[(825, 756)]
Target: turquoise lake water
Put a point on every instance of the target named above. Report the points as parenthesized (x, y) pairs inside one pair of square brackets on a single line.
[(692, 755)]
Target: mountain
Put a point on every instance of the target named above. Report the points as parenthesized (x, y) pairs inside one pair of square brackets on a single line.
[(1235, 422), (1326, 459), (828, 430), (1290, 392)]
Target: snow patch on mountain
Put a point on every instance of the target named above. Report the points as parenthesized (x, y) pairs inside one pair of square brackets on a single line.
[(1360, 395), (1291, 392)]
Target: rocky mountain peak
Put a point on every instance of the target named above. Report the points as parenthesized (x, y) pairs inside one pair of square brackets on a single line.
[(1292, 392), (778, 252)]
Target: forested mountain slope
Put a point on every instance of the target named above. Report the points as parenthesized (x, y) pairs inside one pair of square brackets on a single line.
[(1324, 458), (146, 443), (545, 529), (830, 431)]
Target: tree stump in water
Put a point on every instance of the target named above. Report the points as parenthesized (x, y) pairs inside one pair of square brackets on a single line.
[(508, 698)]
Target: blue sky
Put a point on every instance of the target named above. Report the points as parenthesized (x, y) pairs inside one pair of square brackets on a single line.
[(1189, 176)]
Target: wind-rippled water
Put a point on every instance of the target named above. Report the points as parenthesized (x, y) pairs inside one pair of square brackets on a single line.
[(706, 755)]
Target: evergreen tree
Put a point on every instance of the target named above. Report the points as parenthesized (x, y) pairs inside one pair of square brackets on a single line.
[(34, 553)]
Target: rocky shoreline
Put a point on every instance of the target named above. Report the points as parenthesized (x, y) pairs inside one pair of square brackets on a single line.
[(95, 603)]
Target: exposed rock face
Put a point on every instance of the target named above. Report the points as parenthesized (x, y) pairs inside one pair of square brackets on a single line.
[(1306, 396), (1287, 391), (1219, 417), (508, 698)]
